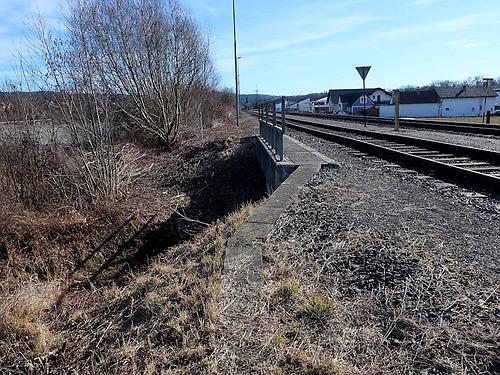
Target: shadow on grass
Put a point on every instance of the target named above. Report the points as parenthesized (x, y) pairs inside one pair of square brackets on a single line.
[(216, 185)]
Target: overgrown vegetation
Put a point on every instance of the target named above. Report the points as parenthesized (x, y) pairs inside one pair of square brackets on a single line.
[(121, 177), (129, 286)]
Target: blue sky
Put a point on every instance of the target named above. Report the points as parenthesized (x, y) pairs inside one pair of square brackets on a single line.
[(296, 46)]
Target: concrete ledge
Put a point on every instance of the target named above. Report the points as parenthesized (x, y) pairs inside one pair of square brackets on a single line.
[(284, 180), (326, 161), (241, 283)]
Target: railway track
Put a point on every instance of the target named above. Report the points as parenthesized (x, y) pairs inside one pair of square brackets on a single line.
[(459, 127), (463, 164)]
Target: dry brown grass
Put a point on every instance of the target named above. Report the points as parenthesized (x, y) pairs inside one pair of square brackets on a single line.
[(23, 319), (426, 314), (152, 309)]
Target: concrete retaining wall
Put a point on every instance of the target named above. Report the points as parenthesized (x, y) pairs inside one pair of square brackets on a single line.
[(274, 172)]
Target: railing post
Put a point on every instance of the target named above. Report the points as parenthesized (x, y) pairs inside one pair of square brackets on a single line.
[(273, 132), (274, 114), (283, 124), (282, 147)]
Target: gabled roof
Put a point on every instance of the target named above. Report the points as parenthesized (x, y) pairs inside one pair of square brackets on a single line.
[(320, 100), (465, 92), (419, 97), (351, 98), (347, 95), (304, 100)]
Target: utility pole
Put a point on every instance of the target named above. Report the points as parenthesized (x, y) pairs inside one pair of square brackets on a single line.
[(236, 73), (363, 72), (239, 87), (256, 94), (486, 84)]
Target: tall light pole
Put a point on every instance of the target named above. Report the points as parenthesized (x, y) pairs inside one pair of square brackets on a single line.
[(486, 83), (239, 86), (363, 72), (237, 90)]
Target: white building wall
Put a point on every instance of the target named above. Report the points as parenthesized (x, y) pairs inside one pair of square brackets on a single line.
[(463, 107), (411, 110), (386, 111), (384, 97), (304, 105), (278, 106)]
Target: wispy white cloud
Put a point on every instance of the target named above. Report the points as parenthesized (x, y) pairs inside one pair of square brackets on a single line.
[(283, 38), (468, 43), (204, 7), (450, 25), (417, 3)]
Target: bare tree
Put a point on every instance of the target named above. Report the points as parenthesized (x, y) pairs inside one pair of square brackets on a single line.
[(146, 59), (71, 72), (152, 56)]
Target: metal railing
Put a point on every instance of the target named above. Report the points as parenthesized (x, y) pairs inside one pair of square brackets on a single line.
[(270, 132)]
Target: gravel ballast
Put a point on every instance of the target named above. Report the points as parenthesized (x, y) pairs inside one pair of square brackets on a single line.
[(371, 272)]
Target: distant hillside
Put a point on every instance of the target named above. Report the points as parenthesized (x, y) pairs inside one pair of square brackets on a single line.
[(249, 100), (312, 96)]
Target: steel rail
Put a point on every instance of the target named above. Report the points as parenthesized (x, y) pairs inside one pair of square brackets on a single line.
[(461, 174), (460, 127), (493, 156)]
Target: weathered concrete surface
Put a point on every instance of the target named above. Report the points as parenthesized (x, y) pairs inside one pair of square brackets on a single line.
[(296, 154), (275, 172), (300, 154), (285, 179), (241, 280)]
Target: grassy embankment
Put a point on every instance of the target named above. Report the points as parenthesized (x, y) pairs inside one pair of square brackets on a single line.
[(129, 286)]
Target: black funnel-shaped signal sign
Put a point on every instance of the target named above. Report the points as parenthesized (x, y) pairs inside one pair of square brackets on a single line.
[(363, 71)]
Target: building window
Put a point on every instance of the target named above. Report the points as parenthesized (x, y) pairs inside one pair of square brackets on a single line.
[(362, 100), (480, 107), (473, 109), (447, 109)]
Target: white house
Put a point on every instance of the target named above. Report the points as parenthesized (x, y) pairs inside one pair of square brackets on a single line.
[(302, 106), (443, 102), (466, 101), (418, 103), (497, 103), (288, 104), (320, 105), (353, 101)]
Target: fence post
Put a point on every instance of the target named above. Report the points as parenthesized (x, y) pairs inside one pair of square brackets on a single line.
[(396, 109)]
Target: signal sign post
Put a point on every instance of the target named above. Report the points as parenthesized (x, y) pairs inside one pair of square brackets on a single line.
[(363, 72)]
